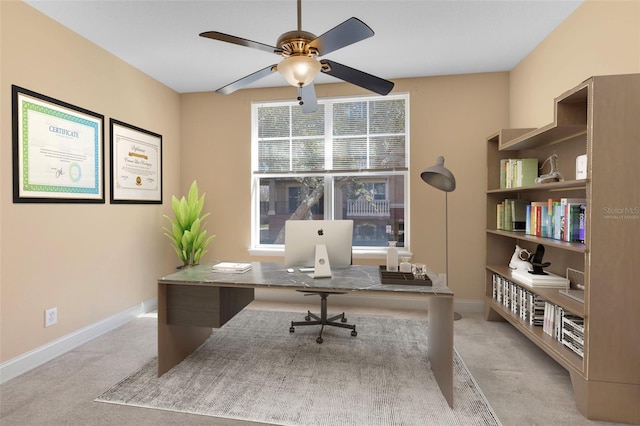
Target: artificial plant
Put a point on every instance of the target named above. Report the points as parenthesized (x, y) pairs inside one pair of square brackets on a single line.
[(188, 234)]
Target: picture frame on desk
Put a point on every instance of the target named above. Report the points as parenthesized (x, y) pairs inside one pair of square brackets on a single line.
[(58, 150), (136, 164)]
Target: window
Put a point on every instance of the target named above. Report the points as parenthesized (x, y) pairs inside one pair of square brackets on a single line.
[(347, 160)]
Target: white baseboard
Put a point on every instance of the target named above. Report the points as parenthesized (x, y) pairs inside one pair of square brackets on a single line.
[(388, 302), (38, 356)]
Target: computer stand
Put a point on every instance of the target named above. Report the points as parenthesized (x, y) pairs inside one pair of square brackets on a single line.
[(322, 320)]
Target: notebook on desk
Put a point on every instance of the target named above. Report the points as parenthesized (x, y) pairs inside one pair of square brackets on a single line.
[(231, 267)]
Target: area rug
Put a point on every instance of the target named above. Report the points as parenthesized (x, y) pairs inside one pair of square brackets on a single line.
[(253, 369)]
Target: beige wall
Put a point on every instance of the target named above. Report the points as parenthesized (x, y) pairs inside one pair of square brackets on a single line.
[(599, 38), (450, 116), (93, 261), (90, 261)]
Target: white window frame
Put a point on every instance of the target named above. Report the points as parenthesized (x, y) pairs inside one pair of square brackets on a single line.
[(258, 249)]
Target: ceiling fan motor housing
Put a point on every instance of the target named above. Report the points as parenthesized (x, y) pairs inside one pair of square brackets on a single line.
[(296, 43)]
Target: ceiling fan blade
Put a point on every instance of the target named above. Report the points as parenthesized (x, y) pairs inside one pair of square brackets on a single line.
[(245, 81), (350, 31), (359, 78), (215, 35), (308, 97)]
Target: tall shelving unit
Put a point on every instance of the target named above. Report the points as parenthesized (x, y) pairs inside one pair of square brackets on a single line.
[(600, 118)]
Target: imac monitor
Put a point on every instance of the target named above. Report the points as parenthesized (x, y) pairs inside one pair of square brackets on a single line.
[(302, 237)]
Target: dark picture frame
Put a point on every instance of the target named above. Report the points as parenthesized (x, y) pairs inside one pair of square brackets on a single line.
[(58, 150), (136, 164)]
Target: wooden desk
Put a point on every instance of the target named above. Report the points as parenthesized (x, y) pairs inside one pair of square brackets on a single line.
[(193, 301)]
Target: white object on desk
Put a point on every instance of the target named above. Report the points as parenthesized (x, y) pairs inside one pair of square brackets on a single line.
[(231, 267), (581, 166), (405, 265)]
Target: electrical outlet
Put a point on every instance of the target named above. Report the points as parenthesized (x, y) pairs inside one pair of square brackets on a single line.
[(50, 317)]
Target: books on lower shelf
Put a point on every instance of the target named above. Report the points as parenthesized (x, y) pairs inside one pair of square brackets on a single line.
[(548, 281), (531, 308), (231, 267)]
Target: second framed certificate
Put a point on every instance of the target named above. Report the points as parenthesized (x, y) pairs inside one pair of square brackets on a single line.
[(136, 165)]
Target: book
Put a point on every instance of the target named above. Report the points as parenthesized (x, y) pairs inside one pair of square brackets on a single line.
[(516, 172), (570, 222), (231, 267), (534, 227), (526, 171), (518, 214), (500, 216)]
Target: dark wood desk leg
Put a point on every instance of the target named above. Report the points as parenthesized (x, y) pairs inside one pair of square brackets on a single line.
[(175, 342), (440, 345)]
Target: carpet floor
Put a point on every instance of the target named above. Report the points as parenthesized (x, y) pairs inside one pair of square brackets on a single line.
[(253, 369)]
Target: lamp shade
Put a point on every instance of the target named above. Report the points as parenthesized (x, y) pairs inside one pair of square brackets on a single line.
[(299, 71), (439, 176)]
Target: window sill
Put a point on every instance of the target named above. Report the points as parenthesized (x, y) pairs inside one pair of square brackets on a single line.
[(358, 253)]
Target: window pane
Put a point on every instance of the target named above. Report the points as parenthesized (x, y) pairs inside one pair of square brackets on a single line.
[(288, 198), (387, 152), (387, 116), (308, 155), (350, 118), (308, 124), (350, 154), (273, 122), (376, 205), (273, 155)]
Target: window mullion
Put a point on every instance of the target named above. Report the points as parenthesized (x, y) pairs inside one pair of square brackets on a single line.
[(328, 160)]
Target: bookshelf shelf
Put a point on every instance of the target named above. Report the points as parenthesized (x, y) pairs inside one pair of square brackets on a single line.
[(597, 118), (577, 185), (549, 294), (547, 242), (563, 356)]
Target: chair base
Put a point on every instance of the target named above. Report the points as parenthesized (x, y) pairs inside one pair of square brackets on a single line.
[(322, 320)]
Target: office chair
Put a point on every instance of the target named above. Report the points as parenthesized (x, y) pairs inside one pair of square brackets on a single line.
[(322, 320)]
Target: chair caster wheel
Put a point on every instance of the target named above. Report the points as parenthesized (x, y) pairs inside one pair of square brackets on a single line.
[(354, 333), (343, 319), (319, 340), (291, 329)]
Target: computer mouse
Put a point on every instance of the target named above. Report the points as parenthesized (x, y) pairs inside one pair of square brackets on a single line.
[(290, 270)]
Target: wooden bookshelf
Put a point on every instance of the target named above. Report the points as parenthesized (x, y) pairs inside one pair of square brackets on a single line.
[(600, 118)]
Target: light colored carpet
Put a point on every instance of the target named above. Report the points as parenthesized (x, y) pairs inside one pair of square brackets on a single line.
[(254, 369)]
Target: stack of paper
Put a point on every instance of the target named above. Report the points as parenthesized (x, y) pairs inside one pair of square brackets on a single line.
[(550, 280), (231, 267)]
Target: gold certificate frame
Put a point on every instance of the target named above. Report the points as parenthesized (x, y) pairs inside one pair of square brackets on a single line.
[(58, 150), (136, 164)]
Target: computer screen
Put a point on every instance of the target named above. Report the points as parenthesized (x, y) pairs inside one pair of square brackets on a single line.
[(302, 236)]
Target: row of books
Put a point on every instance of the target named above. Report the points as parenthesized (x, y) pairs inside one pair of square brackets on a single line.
[(562, 219), (528, 305), (564, 327), (516, 172), (532, 308)]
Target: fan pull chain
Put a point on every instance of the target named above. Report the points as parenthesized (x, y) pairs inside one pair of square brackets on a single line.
[(299, 98)]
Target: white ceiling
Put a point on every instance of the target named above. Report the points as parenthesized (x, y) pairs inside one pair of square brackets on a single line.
[(414, 38)]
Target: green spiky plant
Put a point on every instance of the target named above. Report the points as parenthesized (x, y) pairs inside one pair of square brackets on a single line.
[(188, 236)]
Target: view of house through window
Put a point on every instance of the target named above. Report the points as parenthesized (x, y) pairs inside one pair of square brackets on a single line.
[(347, 160)]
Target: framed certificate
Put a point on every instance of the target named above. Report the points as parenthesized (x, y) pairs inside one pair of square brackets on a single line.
[(136, 165), (58, 151)]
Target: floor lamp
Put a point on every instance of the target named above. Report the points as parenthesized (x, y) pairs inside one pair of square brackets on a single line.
[(441, 178)]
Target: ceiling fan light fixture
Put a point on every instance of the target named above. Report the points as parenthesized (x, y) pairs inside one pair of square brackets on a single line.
[(299, 71)]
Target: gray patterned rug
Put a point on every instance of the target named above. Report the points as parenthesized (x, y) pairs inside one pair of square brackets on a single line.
[(253, 369)]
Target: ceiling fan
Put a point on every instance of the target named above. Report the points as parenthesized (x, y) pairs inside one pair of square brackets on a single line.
[(300, 50)]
